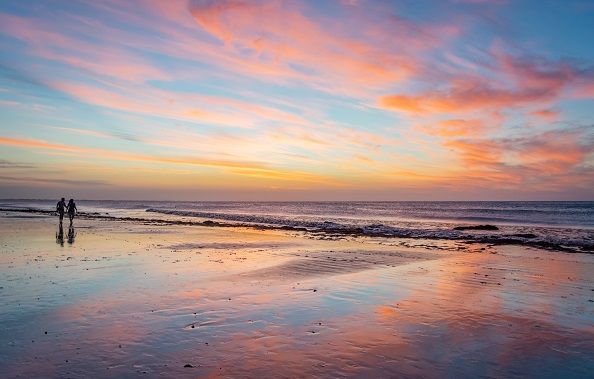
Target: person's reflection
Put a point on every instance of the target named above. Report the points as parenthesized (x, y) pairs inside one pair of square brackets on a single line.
[(71, 234), (60, 235)]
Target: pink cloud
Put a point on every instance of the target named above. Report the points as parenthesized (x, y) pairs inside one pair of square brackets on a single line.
[(454, 128), (546, 114), (585, 89), (550, 159), (508, 84), (555, 152), (279, 35), (477, 152), (190, 107), (100, 59)]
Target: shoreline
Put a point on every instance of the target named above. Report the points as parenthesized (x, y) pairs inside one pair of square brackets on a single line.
[(518, 239)]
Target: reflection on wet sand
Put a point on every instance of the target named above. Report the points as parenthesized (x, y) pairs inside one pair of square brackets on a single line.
[(70, 236), (60, 235), (248, 304)]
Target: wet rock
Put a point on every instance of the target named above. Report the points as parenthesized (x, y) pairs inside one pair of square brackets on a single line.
[(188, 365), (477, 227)]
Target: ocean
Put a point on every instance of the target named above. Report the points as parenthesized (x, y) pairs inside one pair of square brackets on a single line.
[(561, 225)]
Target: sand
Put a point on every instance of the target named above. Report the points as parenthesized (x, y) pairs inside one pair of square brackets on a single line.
[(125, 300)]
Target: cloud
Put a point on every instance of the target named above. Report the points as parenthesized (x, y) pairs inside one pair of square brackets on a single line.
[(554, 152), (205, 109), (552, 159), (454, 128), (585, 89), (509, 83), (39, 180), (480, 102), (244, 168), (476, 152), (50, 42), (5, 164), (295, 43), (284, 38), (546, 114)]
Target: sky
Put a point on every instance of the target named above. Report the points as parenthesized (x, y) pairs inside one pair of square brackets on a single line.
[(297, 100)]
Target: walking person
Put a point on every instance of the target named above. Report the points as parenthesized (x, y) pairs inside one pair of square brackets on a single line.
[(72, 210), (61, 208)]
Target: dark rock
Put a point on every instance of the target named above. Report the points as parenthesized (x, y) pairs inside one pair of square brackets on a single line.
[(188, 365), (477, 227)]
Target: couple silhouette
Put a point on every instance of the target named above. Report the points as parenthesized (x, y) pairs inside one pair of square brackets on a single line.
[(62, 207), (69, 208)]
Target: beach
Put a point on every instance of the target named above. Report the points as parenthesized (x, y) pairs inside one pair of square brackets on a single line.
[(297, 189), (127, 298)]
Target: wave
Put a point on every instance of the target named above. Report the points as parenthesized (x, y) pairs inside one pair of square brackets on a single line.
[(534, 238), (517, 237)]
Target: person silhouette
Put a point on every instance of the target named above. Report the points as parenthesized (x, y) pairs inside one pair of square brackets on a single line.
[(60, 208), (60, 235), (71, 210)]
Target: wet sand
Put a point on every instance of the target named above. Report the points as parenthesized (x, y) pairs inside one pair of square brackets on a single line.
[(125, 299)]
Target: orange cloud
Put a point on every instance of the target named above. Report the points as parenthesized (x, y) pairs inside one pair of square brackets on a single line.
[(37, 144), (521, 83), (555, 152), (466, 97), (455, 128), (249, 169), (546, 114), (274, 36), (476, 153), (547, 160)]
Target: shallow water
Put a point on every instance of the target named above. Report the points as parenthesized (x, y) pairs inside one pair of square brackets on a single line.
[(562, 225), (125, 299)]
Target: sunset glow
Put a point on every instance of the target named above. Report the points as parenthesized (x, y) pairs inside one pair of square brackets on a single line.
[(297, 100)]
